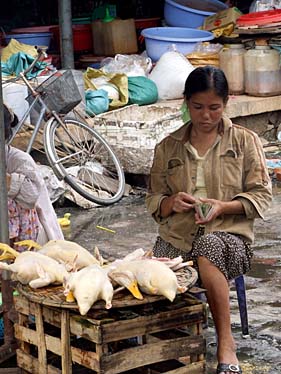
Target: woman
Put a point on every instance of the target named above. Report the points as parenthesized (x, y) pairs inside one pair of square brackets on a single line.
[(213, 162), (31, 214)]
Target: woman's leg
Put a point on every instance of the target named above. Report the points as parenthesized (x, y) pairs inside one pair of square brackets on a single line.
[(218, 298)]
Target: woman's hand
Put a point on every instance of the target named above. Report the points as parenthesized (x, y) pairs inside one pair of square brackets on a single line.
[(179, 203), (219, 208)]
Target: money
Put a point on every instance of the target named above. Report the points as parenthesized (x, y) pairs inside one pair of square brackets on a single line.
[(203, 209)]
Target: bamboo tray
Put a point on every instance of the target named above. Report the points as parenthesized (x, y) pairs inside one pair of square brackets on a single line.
[(53, 295)]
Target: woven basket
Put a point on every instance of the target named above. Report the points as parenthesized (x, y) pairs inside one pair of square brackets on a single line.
[(60, 92)]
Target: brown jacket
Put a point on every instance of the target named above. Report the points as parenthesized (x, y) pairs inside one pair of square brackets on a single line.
[(234, 169)]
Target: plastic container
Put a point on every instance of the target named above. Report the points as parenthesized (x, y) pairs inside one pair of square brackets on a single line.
[(33, 29), (265, 17), (231, 60), (82, 37), (81, 21), (145, 23), (262, 71), (159, 40), (190, 13), (38, 38), (14, 95)]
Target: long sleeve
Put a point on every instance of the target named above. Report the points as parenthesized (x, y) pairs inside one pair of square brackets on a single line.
[(158, 188), (26, 184), (257, 194)]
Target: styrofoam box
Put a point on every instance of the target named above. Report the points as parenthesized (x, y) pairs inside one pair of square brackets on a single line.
[(138, 126), (133, 132), (14, 95)]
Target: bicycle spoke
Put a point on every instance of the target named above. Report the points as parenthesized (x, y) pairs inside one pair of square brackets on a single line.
[(86, 161)]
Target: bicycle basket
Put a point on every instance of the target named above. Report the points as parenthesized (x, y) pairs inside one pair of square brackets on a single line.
[(60, 92)]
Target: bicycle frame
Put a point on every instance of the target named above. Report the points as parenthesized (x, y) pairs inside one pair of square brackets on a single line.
[(43, 111), (64, 148)]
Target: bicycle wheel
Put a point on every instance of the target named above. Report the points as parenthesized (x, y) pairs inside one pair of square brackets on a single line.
[(79, 155)]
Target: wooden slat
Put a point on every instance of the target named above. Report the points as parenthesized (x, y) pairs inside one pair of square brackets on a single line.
[(151, 353), (81, 326), (31, 364), (41, 342), (194, 368), (139, 326), (23, 321), (65, 343), (85, 358), (85, 328)]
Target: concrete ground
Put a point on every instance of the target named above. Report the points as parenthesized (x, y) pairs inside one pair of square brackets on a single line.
[(133, 228)]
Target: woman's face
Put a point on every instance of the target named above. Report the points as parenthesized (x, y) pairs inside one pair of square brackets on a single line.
[(206, 109)]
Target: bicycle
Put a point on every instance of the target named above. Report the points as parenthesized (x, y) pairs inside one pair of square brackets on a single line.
[(75, 151)]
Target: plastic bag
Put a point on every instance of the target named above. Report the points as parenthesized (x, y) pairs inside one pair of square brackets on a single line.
[(97, 102), (169, 75), (262, 5), (131, 65), (15, 46), (205, 54), (142, 91), (119, 80), (54, 186), (20, 61)]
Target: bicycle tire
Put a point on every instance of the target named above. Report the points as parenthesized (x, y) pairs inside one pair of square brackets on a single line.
[(97, 167)]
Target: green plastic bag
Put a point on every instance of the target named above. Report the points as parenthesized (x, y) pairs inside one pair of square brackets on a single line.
[(142, 91), (97, 102)]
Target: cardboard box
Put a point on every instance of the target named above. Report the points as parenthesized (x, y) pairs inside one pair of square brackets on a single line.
[(222, 19), (117, 36)]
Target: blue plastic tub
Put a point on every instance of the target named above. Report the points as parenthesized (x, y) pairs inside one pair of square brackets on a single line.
[(159, 40), (38, 38), (190, 13)]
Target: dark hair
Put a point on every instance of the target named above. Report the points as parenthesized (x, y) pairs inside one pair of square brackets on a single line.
[(10, 121), (206, 78)]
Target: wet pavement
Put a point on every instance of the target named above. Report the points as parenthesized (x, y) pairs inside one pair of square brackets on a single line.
[(133, 228)]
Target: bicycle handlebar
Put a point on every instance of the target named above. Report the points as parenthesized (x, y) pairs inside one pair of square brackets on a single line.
[(31, 66)]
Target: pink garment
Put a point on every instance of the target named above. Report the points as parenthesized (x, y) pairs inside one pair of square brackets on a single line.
[(23, 223), (29, 192)]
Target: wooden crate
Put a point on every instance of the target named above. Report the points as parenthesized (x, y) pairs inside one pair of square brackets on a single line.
[(152, 338)]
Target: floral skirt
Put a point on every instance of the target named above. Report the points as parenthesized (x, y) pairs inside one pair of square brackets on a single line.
[(23, 223), (230, 253)]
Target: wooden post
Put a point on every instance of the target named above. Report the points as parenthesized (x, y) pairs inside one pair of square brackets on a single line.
[(65, 343), (42, 351)]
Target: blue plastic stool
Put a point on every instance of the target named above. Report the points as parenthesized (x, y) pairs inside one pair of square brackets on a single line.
[(242, 303)]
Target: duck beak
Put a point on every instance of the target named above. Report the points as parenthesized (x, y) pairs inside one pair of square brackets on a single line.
[(133, 288), (70, 297)]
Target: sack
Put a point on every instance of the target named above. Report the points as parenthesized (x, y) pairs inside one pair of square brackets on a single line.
[(97, 102), (118, 80), (142, 91), (169, 75)]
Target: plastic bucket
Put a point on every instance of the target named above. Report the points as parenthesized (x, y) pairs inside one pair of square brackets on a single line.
[(159, 40), (82, 37), (38, 39), (32, 30), (190, 13)]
